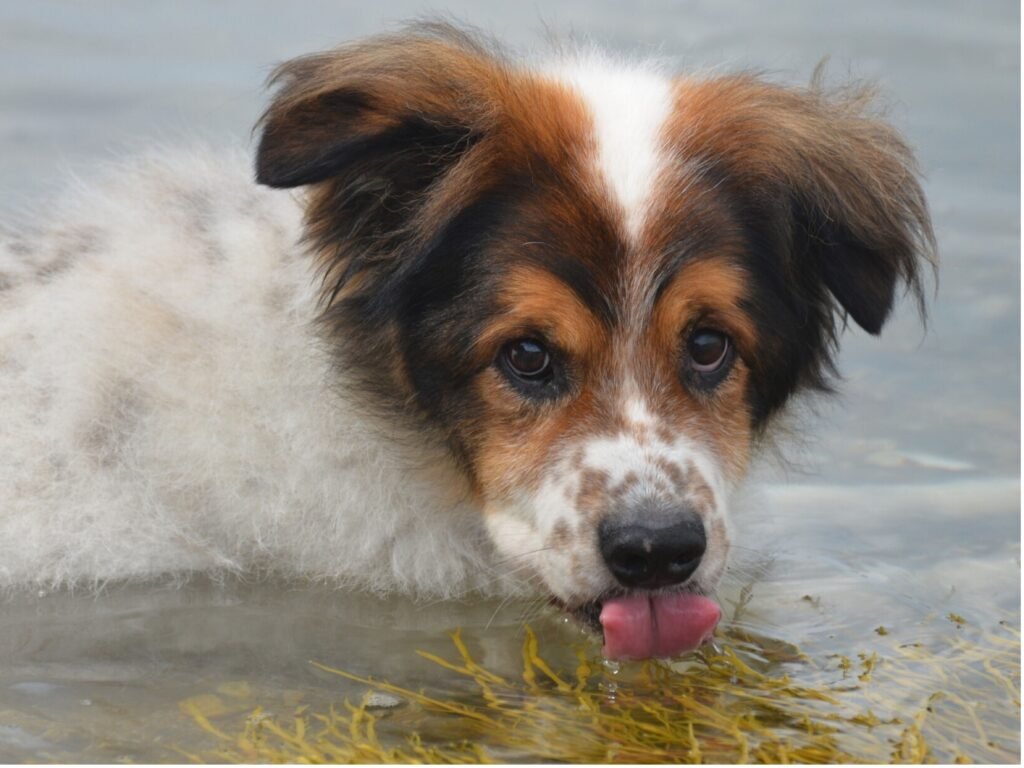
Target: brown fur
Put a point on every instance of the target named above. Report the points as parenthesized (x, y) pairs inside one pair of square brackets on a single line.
[(455, 206), (847, 169)]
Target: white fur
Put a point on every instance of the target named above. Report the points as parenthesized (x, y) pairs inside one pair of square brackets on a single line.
[(636, 411), (524, 527), (629, 105), (167, 405)]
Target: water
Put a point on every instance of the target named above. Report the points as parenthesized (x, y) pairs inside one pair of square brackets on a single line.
[(898, 506)]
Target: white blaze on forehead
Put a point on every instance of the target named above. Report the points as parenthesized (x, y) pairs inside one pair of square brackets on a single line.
[(629, 105), (636, 411)]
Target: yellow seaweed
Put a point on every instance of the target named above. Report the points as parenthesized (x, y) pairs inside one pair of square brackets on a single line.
[(733, 705)]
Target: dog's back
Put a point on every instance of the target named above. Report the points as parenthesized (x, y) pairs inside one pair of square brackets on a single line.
[(169, 408)]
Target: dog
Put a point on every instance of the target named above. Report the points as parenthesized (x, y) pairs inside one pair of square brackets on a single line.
[(517, 328)]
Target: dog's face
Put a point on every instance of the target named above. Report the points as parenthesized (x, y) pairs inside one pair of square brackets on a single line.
[(599, 285)]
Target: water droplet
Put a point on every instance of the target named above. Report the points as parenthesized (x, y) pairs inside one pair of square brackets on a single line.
[(42, 593), (377, 699), (715, 647), (611, 665)]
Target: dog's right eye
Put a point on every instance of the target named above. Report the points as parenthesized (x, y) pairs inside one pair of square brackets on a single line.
[(527, 360)]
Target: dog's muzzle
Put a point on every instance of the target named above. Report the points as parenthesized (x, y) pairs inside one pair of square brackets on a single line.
[(651, 556)]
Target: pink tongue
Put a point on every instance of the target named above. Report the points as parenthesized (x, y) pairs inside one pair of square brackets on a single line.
[(645, 626)]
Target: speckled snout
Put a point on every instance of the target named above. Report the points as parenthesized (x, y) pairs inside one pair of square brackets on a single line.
[(621, 514)]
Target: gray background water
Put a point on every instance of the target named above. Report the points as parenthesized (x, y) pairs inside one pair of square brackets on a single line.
[(903, 491)]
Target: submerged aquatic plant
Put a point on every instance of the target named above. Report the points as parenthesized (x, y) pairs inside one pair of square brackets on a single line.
[(959, 702)]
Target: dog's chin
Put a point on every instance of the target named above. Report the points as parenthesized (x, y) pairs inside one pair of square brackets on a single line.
[(647, 624)]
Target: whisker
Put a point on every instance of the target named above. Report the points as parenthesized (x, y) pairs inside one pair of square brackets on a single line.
[(497, 610), (482, 585), (531, 611), (755, 550), (521, 554)]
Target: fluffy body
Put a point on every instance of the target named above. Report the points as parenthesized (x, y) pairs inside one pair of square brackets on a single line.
[(206, 374), (169, 405)]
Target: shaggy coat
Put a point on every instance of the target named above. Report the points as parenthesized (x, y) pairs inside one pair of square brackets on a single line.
[(511, 305)]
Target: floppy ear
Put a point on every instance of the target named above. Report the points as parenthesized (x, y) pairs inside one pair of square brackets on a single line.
[(378, 128), (401, 100), (349, 130), (840, 182), (411, 95)]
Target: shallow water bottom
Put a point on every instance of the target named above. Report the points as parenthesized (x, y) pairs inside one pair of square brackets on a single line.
[(848, 640)]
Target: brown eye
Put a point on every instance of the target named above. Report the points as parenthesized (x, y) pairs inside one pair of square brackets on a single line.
[(708, 350), (527, 359)]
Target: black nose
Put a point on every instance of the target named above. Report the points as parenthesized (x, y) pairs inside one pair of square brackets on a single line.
[(647, 558)]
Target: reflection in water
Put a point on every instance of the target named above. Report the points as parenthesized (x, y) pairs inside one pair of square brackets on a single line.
[(744, 699), (845, 638), (267, 672)]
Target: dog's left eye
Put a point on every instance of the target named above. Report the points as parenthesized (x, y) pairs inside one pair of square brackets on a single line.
[(708, 349), (709, 354)]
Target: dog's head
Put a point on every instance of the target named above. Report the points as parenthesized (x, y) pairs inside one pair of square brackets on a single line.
[(600, 283)]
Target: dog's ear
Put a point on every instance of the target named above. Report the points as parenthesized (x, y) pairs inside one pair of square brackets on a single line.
[(390, 113), (385, 132), (836, 183)]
